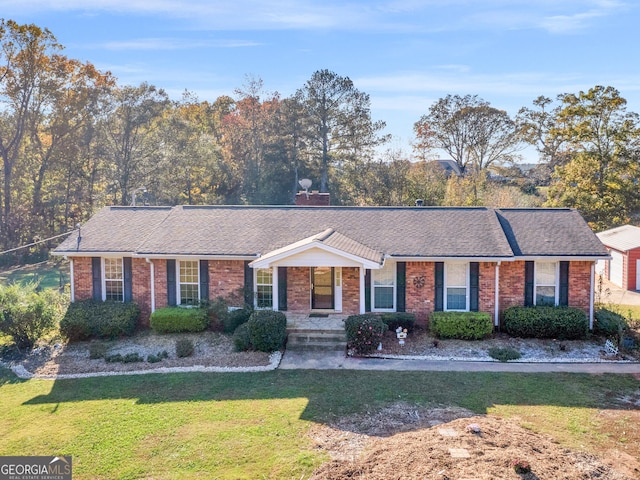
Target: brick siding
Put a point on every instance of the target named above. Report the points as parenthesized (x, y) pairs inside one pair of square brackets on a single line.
[(420, 290), (226, 280), (350, 290), (141, 286), (82, 278)]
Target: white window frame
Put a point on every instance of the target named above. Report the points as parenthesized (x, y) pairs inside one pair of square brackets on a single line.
[(179, 283), (555, 285), (467, 287), (374, 273), (256, 284), (105, 279)]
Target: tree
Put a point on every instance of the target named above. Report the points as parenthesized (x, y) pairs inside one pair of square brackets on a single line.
[(471, 131), (601, 177), (339, 121), (25, 58)]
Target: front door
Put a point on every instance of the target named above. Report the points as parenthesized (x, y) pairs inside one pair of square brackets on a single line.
[(322, 288)]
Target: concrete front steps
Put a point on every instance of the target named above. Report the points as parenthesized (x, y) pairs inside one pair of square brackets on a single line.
[(314, 340)]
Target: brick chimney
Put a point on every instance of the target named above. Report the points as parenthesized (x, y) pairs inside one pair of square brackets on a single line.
[(313, 198)]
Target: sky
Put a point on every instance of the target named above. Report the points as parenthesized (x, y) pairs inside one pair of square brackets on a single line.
[(406, 54)]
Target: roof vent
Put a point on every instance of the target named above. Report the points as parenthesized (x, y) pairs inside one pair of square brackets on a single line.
[(419, 202)]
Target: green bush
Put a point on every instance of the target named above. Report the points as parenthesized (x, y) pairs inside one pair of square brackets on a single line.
[(462, 325), (132, 358), (179, 319), (504, 354), (26, 314), (267, 330), (88, 318), (115, 358), (97, 350), (608, 323), (563, 323), (158, 357), (241, 338), (364, 332), (399, 319), (218, 312), (184, 348), (235, 318)]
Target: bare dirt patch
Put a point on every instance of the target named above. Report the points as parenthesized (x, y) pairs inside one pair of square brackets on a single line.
[(407, 442), (211, 349)]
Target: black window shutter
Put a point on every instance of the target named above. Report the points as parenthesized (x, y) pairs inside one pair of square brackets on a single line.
[(282, 289), (127, 270), (474, 294), (439, 300), (528, 283), (96, 278), (171, 283), (248, 284), (401, 286), (367, 290), (204, 280), (563, 294)]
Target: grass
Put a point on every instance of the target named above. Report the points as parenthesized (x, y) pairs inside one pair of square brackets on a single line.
[(51, 274), (253, 425)]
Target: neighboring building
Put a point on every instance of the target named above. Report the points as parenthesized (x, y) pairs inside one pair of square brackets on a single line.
[(449, 166), (348, 260), (623, 244)]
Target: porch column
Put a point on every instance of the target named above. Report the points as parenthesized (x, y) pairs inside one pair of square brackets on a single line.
[(591, 294), (274, 288), (73, 280), (362, 302), (496, 300)]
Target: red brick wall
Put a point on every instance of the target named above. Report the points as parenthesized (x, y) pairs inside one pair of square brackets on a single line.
[(141, 286), (580, 285), (315, 198), (160, 275), (633, 257), (82, 278), (350, 290), (420, 300), (298, 289), (511, 285), (487, 288), (226, 280)]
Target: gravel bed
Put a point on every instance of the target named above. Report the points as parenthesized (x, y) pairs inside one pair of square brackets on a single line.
[(421, 345)]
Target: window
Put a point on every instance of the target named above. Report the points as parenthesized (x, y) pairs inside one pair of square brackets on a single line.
[(189, 282), (457, 286), (546, 283), (264, 288), (384, 287), (113, 279)]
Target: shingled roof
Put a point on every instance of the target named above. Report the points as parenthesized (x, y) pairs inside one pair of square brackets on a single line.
[(254, 231)]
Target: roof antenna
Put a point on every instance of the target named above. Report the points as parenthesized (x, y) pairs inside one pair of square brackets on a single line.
[(306, 184)]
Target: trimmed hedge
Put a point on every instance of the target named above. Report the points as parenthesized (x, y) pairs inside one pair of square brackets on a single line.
[(87, 319), (235, 318), (267, 330), (563, 323), (608, 323), (399, 319), (179, 319), (461, 325), (364, 332), (241, 338)]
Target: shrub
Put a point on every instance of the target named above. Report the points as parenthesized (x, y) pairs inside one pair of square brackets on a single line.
[(462, 325), (26, 314), (184, 348), (608, 323), (364, 332), (88, 318), (399, 319), (564, 323), (115, 358), (158, 357), (218, 311), (132, 358), (97, 350), (179, 319), (235, 318), (241, 338), (504, 354), (267, 330)]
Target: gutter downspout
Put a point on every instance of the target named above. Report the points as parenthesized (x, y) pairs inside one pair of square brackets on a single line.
[(496, 301), (72, 281), (591, 299), (153, 285)]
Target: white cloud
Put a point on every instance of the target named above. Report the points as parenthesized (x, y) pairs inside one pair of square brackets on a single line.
[(173, 44)]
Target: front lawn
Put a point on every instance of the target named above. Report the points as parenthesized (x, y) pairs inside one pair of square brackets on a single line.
[(253, 425)]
